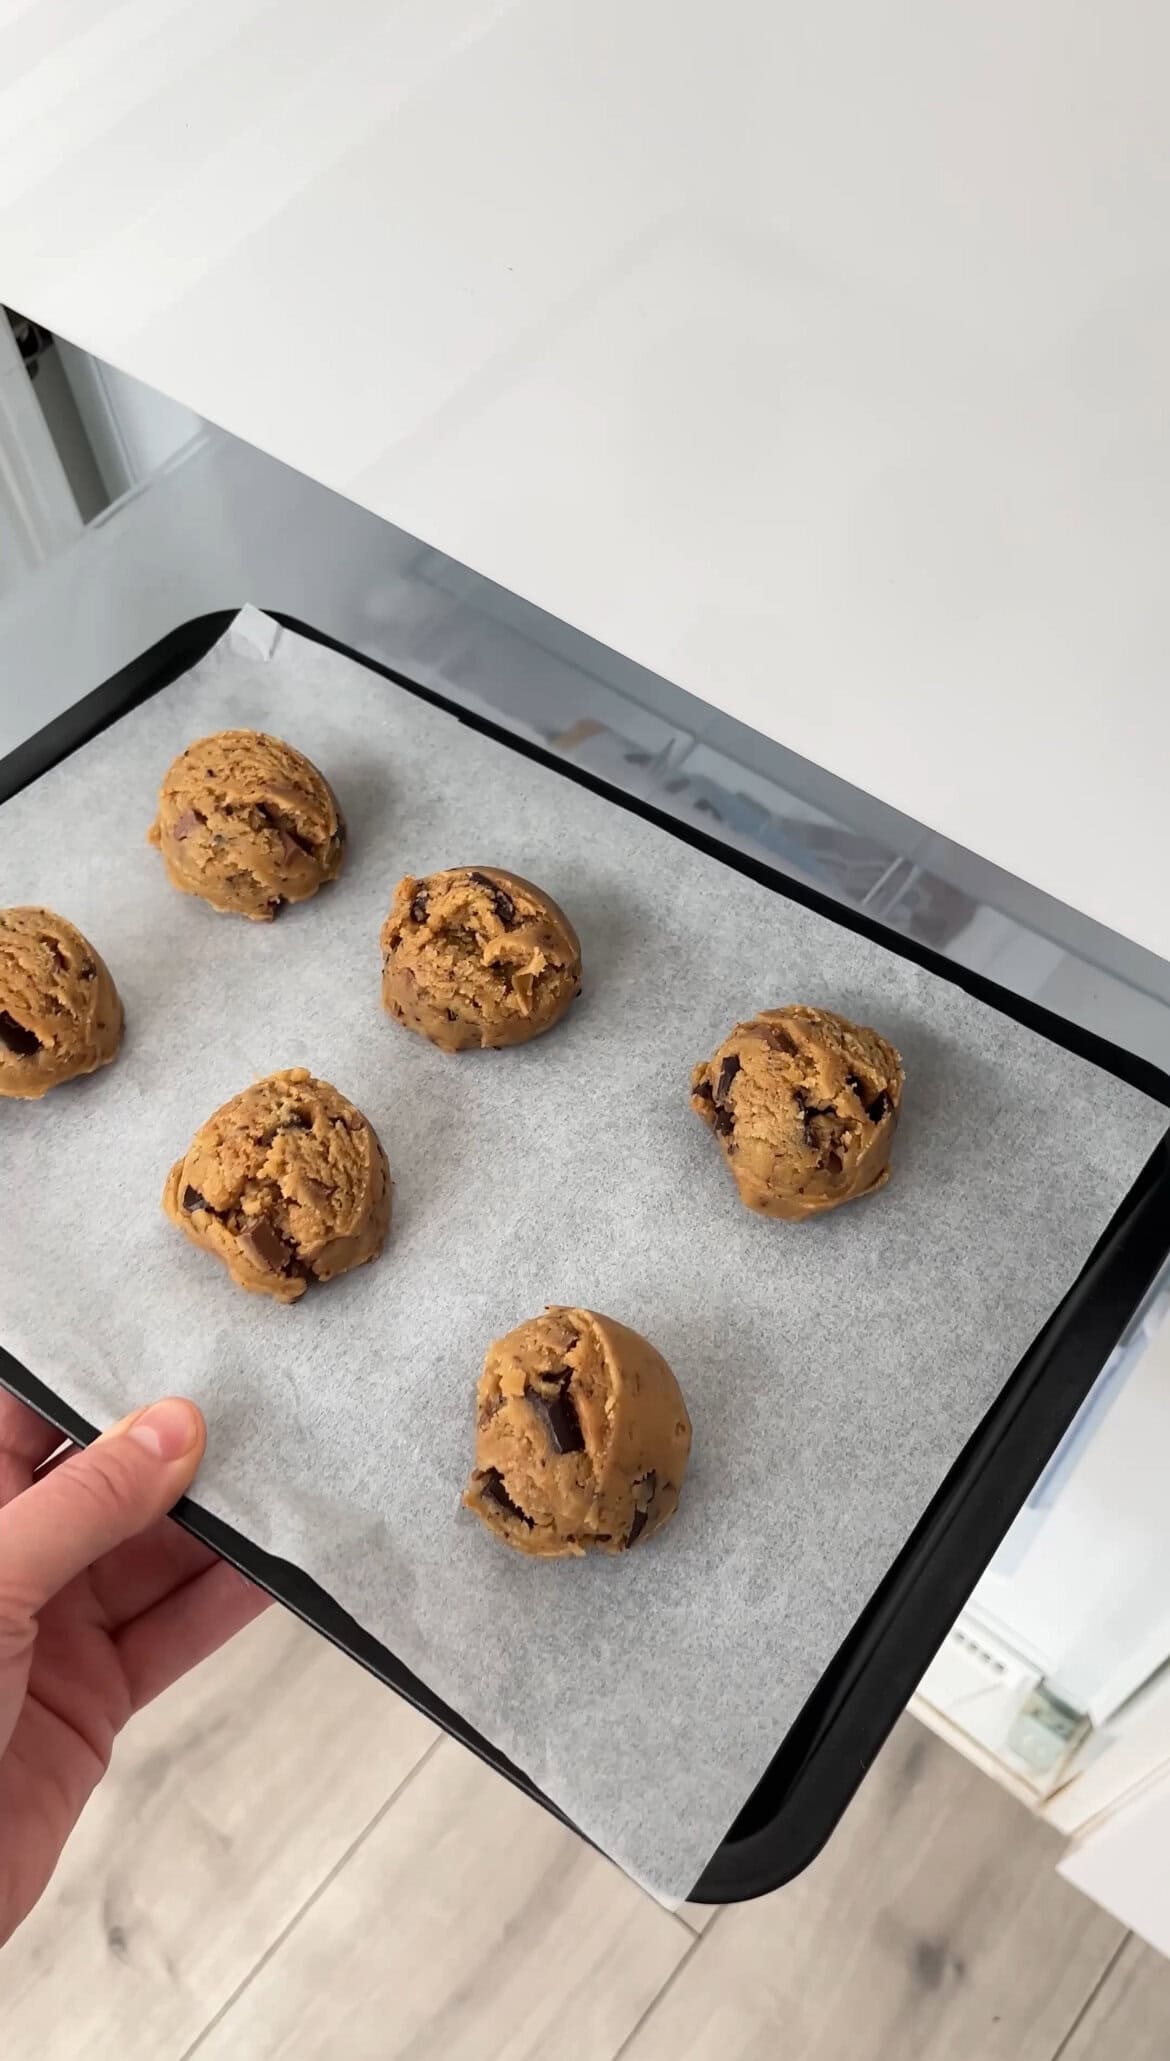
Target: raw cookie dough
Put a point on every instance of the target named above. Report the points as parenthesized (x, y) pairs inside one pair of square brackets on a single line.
[(477, 957), (582, 1437), (247, 823), (286, 1184), (59, 1009), (805, 1106)]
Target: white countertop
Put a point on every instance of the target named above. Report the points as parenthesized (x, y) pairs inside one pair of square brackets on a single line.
[(816, 358)]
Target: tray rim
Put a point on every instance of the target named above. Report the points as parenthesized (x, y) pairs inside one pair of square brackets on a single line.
[(821, 1760)]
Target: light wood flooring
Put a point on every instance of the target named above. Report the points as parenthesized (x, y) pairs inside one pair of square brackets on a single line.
[(287, 1862)]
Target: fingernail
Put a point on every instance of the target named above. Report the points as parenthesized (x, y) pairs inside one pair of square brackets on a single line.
[(168, 1430)]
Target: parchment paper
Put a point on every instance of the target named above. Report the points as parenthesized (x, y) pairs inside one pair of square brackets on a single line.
[(833, 1369)]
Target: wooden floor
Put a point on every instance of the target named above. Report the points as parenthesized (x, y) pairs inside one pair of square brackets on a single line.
[(287, 1861)]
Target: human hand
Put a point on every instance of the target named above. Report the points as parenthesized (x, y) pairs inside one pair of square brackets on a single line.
[(104, 1601)]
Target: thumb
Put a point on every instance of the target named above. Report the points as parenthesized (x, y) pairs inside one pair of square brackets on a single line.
[(126, 1479)]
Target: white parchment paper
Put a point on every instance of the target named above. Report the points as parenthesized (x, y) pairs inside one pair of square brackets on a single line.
[(833, 1369)]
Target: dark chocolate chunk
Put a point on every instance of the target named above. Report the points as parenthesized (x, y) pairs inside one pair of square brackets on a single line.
[(495, 1492), (418, 908), (648, 1485), (87, 970), (292, 842), (502, 902), (727, 1073), (824, 1131), (560, 1415), (185, 824), (880, 1105), (703, 1090), (263, 1242), (780, 1040), (16, 1038), (723, 1121), (192, 1199), (810, 1113)]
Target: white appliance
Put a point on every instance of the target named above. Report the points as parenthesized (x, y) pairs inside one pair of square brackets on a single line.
[(1057, 1678)]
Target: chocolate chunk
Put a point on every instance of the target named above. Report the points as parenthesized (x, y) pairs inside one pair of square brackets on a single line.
[(502, 902), (192, 1199), (263, 1243), (292, 844), (16, 1038), (560, 1415), (779, 1039), (87, 970), (648, 1483), (727, 1073), (418, 908), (703, 1090), (495, 1492), (880, 1105), (723, 1122), (810, 1111), (185, 824)]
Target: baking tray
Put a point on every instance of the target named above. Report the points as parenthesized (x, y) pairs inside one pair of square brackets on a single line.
[(816, 1770)]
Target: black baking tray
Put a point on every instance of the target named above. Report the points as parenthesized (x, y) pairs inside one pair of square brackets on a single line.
[(818, 1766)]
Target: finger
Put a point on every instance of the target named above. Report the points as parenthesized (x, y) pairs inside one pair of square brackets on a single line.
[(26, 1441), (140, 1573), (127, 1479), (182, 1630)]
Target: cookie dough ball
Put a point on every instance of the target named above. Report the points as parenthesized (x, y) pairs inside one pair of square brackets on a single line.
[(286, 1184), (582, 1437), (247, 823), (476, 957), (804, 1105), (59, 1009)]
